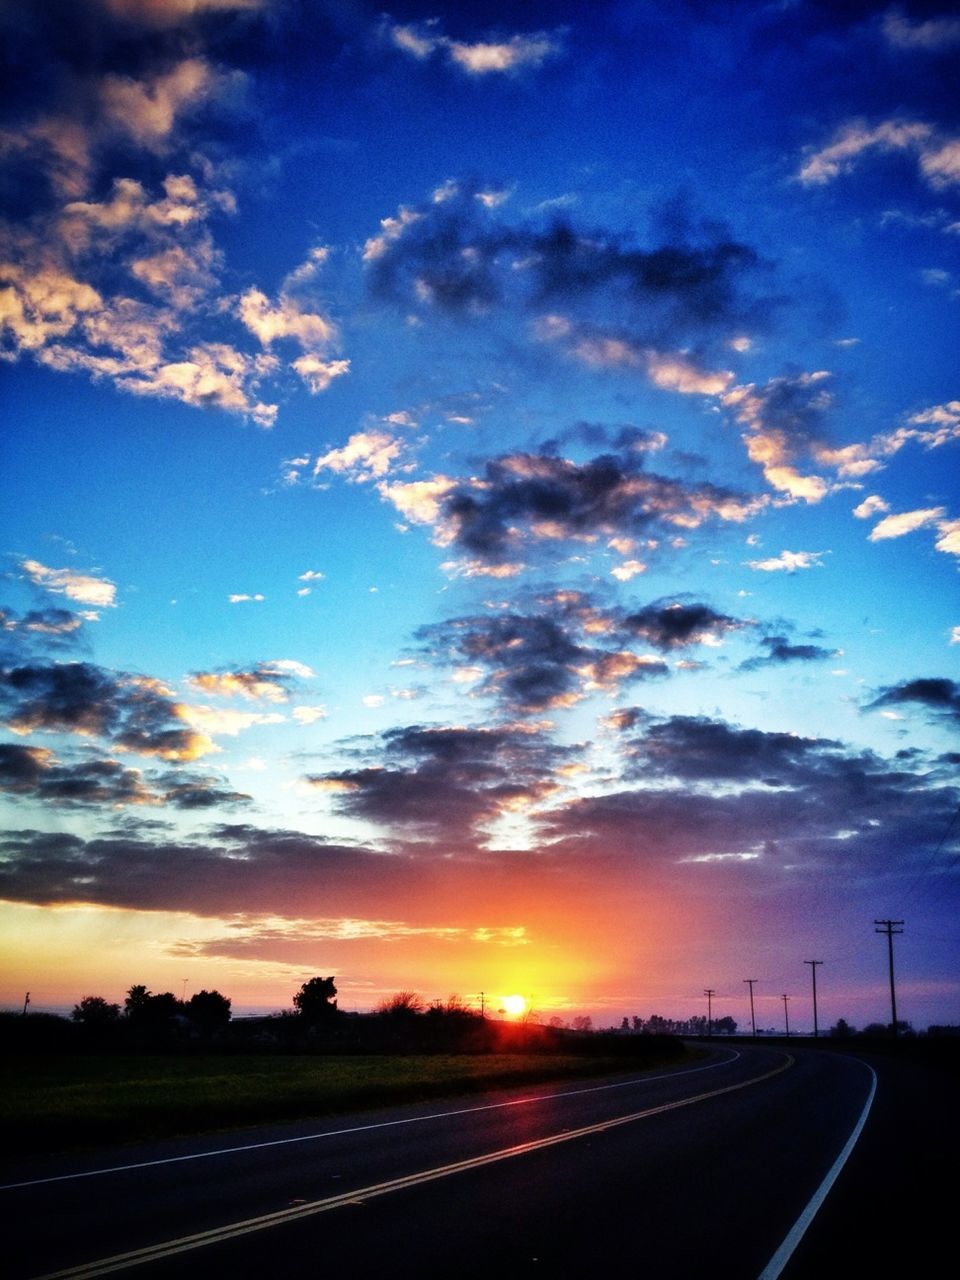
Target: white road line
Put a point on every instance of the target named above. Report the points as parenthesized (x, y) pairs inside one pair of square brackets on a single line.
[(170, 1248), (775, 1266), (363, 1128)]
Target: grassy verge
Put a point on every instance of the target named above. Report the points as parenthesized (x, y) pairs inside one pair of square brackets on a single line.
[(60, 1102)]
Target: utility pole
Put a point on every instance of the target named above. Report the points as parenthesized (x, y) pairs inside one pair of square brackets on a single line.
[(753, 1021), (890, 928), (813, 969), (786, 1012), (26, 1001), (483, 1004), (709, 993)]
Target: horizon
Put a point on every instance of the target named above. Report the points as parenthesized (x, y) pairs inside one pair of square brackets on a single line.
[(486, 503)]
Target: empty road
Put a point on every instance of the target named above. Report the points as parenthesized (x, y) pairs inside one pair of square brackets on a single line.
[(701, 1170)]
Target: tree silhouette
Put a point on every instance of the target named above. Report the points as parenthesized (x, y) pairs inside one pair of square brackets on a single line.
[(142, 1007), (405, 1004), (208, 1010), (94, 1011), (315, 1001)]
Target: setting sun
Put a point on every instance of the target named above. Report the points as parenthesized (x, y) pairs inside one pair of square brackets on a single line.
[(514, 1006)]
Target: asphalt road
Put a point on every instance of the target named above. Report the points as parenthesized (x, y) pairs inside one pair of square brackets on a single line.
[(686, 1173)]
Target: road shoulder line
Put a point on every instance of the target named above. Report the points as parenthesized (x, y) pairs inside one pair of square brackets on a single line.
[(775, 1266)]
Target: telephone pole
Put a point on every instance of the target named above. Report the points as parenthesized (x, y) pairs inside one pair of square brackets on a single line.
[(753, 1021), (786, 1012), (813, 969), (709, 993), (891, 928)]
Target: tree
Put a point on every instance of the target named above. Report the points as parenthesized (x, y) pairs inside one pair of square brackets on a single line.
[(842, 1030), (208, 1010), (94, 1011), (315, 1001), (725, 1026), (146, 1009), (137, 1001), (582, 1023), (405, 1004)]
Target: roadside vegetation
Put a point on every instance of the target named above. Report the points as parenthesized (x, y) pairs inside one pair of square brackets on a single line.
[(160, 1067)]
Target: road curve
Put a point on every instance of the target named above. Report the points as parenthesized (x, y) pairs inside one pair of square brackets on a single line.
[(700, 1170)]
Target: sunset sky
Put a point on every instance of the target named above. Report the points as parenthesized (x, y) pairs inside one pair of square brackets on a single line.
[(485, 506)]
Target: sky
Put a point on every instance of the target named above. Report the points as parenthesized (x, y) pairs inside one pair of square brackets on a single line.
[(482, 506)]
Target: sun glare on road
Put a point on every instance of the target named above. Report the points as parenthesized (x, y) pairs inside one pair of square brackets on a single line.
[(514, 1006)]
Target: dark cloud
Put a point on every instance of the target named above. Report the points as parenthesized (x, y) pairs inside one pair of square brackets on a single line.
[(698, 749), (464, 261), (198, 791), (35, 773), (31, 771), (38, 634), (937, 694), (282, 871), (677, 624), (779, 650), (772, 800), (444, 783), (537, 661), (135, 713), (539, 499)]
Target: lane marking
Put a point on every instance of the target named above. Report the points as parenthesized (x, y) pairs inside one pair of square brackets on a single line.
[(366, 1128), (217, 1235), (783, 1255)]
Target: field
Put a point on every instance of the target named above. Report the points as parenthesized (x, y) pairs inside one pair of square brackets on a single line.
[(58, 1102)]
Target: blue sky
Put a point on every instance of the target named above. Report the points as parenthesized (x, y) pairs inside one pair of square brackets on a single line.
[(484, 506)]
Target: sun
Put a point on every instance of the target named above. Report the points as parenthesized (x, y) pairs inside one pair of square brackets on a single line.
[(514, 1006)]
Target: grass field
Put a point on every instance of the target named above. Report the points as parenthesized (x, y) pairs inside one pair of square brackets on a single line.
[(57, 1102)]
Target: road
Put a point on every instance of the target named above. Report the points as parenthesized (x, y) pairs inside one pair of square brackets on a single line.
[(682, 1173)]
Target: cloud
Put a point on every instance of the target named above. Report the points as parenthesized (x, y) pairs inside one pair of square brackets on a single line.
[(85, 588), (222, 720), (168, 13), (446, 782), (53, 626), (133, 713), (566, 647), (266, 682), (937, 155), (675, 625), (126, 286), (456, 257), (148, 109), (290, 318), (367, 455), (928, 36), (940, 696), (525, 502), (778, 802), (281, 870), (785, 425), (242, 598), (215, 375), (780, 651), (896, 526), (503, 55), (34, 772), (870, 506), (788, 562)]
